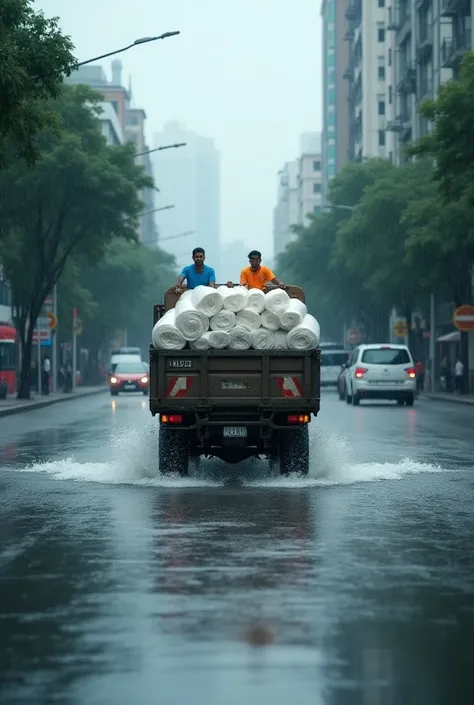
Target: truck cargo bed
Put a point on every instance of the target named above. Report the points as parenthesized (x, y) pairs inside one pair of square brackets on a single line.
[(276, 379)]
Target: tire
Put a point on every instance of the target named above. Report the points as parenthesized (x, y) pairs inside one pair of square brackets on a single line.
[(274, 458), (347, 397), (145, 394), (114, 393), (410, 400), (355, 399), (293, 447), (342, 396), (173, 451), (400, 402)]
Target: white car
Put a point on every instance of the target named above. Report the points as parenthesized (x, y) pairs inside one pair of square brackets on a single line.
[(380, 371), (331, 363)]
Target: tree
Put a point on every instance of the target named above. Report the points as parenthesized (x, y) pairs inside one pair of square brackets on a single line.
[(79, 197), (34, 59)]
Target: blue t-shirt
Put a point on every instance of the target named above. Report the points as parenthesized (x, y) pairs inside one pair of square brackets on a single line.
[(194, 279)]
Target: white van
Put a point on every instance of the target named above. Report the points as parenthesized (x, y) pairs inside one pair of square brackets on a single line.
[(331, 363)]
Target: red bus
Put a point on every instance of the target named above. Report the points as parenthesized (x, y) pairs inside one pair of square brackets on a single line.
[(8, 356)]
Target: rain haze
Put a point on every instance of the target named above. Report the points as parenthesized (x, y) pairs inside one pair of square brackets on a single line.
[(248, 76)]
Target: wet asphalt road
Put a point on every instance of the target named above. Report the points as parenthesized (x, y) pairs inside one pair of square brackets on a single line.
[(120, 587)]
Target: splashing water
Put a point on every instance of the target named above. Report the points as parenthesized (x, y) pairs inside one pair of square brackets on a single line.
[(132, 459)]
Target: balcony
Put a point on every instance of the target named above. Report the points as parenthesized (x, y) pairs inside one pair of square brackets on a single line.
[(349, 35), (348, 74), (407, 81), (419, 4), (425, 43), (425, 89), (452, 50), (352, 12), (393, 23), (449, 8), (404, 25), (395, 125)]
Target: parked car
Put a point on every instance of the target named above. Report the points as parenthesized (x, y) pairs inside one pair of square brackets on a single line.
[(379, 371), (129, 377), (331, 362)]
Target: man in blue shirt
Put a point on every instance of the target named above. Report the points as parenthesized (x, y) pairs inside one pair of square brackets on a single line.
[(197, 273)]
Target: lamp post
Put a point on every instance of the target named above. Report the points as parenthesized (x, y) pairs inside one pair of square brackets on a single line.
[(141, 40), (160, 149)]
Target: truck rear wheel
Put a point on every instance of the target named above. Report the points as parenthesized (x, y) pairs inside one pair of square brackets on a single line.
[(294, 451), (173, 451)]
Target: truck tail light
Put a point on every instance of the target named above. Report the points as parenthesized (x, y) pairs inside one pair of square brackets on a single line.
[(360, 372), (298, 418), (171, 418), (411, 372)]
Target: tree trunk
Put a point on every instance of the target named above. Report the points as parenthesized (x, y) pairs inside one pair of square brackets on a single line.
[(26, 343)]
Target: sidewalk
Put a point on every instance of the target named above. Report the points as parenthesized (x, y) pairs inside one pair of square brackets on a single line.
[(466, 399), (12, 405)]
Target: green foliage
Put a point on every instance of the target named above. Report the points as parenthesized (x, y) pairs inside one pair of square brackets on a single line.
[(34, 59), (80, 196)]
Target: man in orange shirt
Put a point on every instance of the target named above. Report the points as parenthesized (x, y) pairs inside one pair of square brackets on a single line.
[(258, 277)]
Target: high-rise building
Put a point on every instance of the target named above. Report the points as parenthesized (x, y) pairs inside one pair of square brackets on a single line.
[(335, 135), (366, 74), (426, 42), (189, 180), (286, 211), (309, 177), (120, 123)]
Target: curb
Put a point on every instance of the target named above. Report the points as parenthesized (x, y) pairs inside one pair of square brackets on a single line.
[(450, 400), (33, 405)]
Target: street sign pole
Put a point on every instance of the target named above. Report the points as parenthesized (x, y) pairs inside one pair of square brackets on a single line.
[(38, 363), (74, 349), (55, 343), (432, 342)]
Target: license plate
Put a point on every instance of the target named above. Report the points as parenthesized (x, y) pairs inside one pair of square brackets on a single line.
[(130, 386), (235, 432), (180, 364)]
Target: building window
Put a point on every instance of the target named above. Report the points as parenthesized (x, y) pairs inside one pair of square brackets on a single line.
[(331, 170), (381, 73), (389, 57), (316, 209), (331, 59), (331, 11), (316, 188), (390, 95), (381, 138), (381, 3), (381, 34), (381, 107), (331, 96), (316, 165), (331, 152)]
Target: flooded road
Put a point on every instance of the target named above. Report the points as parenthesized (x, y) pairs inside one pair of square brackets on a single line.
[(353, 586)]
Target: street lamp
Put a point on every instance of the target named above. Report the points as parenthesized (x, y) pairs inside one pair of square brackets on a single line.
[(155, 210), (142, 40), (159, 149), (174, 237)]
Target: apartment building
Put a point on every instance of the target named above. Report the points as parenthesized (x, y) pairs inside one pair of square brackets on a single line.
[(426, 40), (309, 182), (335, 134), (286, 211), (366, 74)]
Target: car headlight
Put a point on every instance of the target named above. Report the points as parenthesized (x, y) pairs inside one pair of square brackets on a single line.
[(114, 380), (144, 380)]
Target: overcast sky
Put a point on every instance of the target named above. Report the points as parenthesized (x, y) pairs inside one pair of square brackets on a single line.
[(247, 74)]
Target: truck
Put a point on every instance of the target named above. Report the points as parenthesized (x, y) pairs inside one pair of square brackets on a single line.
[(233, 405)]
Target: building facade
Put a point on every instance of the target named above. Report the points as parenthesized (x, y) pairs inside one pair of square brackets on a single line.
[(120, 122), (189, 180), (309, 177), (426, 42), (335, 134), (287, 210)]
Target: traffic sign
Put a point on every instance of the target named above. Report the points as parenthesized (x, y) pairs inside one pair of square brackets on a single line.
[(52, 320), (77, 326), (400, 328), (353, 335), (463, 318)]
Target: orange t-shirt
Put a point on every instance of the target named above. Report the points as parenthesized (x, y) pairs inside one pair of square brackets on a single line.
[(256, 280)]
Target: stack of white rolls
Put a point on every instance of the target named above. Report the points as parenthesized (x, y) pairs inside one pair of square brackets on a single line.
[(237, 319)]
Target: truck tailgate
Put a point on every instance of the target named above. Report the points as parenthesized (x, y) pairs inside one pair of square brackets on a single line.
[(280, 378)]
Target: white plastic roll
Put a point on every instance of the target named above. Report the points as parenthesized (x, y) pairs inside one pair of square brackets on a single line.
[(165, 335), (240, 338), (256, 300), (234, 299), (224, 320), (277, 301), (248, 318), (293, 315), (270, 320), (280, 340), (219, 339), (201, 343), (305, 336), (207, 300), (191, 323), (263, 339)]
